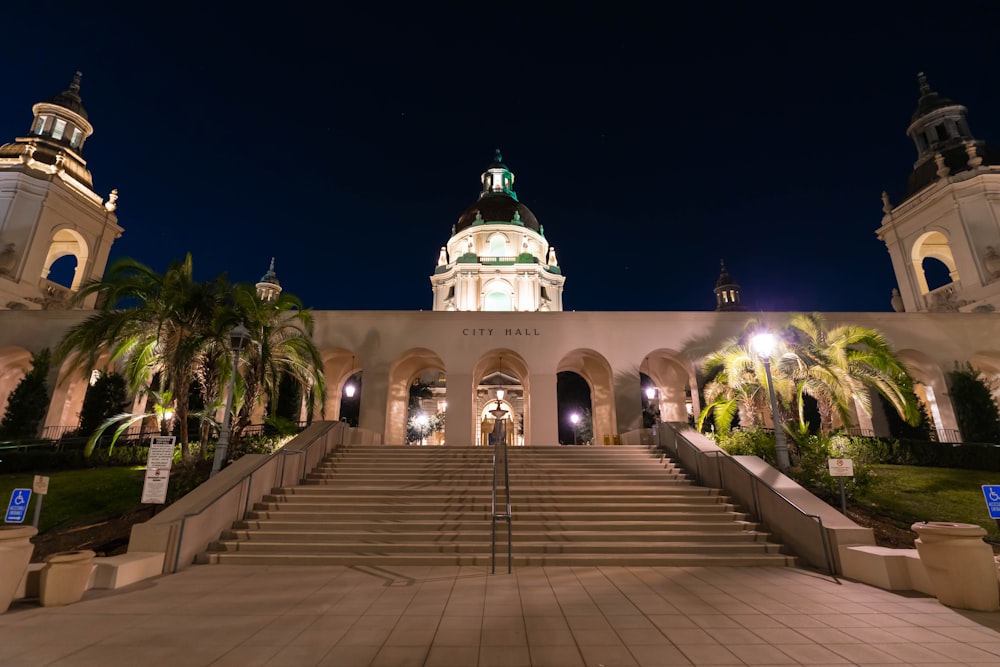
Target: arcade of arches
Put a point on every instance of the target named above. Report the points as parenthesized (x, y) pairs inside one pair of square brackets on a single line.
[(372, 360)]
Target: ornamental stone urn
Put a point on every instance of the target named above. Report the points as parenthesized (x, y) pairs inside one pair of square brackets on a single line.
[(15, 554)]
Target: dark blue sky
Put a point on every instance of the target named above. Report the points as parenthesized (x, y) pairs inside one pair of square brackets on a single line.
[(650, 142)]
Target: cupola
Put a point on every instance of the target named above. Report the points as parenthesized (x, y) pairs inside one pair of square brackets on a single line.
[(727, 292), (269, 288)]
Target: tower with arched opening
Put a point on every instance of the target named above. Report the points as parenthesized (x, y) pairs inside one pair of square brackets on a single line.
[(55, 230)]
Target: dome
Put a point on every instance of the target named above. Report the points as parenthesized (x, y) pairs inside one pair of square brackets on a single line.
[(497, 208), (70, 98)]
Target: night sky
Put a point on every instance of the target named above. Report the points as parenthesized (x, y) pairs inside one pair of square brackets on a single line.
[(650, 143)]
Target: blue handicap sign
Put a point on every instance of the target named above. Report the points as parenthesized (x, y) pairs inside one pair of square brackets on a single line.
[(18, 507), (992, 494)]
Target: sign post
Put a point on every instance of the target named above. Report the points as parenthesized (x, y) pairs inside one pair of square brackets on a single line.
[(992, 494), (18, 506), (841, 468), (158, 462), (41, 487)]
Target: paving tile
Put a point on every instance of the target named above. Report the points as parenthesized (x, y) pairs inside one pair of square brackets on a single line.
[(452, 656), (760, 654), (556, 656), (349, 656), (504, 656), (607, 656), (400, 656), (708, 654), (658, 656)]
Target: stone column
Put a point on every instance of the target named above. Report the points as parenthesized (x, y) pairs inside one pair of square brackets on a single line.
[(541, 411), (459, 427)]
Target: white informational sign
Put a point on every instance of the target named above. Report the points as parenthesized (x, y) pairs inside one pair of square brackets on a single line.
[(154, 489), (161, 452), (40, 485), (841, 468)]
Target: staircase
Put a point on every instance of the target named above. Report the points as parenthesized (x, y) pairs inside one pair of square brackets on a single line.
[(396, 505)]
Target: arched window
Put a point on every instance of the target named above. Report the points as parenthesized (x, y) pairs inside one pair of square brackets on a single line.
[(498, 245), (497, 301)]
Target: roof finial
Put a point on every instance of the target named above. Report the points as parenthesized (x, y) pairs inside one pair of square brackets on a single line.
[(925, 87), (272, 265), (74, 85), (499, 156)]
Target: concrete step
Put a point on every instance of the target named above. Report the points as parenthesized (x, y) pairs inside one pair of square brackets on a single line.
[(519, 560), (383, 505), (483, 546), (324, 534)]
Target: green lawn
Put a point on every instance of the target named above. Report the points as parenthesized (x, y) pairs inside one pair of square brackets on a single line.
[(912, 493), (79, 496)]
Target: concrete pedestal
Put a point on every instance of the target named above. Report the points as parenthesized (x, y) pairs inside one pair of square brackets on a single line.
[(65, 577), (959, 564), (15, 553)]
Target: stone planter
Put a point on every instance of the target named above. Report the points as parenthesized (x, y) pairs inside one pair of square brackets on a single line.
[(959, 564), (15, 554), (65, 576)]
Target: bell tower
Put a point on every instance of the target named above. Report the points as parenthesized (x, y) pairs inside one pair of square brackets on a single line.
[(944, 236), (49, 209)]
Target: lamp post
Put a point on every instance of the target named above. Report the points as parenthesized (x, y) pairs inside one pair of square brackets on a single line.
[(575, 418), (653, 408), (422, 421), (763, 344), (239, 336)]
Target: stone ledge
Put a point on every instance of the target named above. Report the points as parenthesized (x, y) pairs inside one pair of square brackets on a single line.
[(886, 568)]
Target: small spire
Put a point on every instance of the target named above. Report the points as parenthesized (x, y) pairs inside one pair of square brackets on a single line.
[(925, 88), (74, 85), (499, 157)]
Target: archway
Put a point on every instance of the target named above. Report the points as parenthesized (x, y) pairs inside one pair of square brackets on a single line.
[(671, 391), (342, 370), (934, 246), (932, 388), (575, 409), (506, 372), (596, 372), (15, 362), (410, 366), (67, 242)]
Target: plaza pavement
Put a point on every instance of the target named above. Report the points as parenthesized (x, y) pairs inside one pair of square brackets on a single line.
[(237, 615)]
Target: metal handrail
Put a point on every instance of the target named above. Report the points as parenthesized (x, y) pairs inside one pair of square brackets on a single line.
[(506, 516), (755, 483)]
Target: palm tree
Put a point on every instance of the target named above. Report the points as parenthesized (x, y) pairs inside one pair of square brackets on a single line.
[(281, 346), (838, 366), (149, 323), (738, 385)]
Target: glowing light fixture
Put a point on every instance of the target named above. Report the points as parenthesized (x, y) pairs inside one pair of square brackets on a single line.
[(763, 345)]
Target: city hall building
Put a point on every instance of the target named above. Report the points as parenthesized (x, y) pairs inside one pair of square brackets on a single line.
[(497, 319)]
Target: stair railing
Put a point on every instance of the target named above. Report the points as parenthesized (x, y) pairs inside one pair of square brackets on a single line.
[(500, 450), (795, 520)]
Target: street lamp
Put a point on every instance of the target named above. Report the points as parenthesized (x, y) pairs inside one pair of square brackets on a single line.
[(763, 344), (422, 421), (575, 418), (239, 336)]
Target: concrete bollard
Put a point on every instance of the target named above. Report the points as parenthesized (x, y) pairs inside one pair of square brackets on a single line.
[(65, 577), (959, 564), (15, 554)]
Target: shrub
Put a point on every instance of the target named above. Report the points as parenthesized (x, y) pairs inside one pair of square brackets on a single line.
[(813, 470), (749, 442)]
